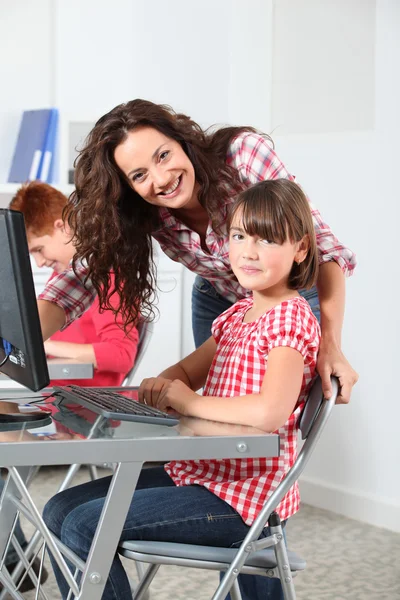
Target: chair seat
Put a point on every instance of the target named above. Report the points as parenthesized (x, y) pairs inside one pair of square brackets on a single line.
[(264, 558)]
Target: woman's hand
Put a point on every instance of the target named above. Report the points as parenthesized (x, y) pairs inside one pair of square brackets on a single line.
[(151, 388), (178, 396), (332, 361)]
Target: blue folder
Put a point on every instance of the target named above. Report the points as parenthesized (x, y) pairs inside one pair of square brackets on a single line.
[(30, 145), (46, 167)]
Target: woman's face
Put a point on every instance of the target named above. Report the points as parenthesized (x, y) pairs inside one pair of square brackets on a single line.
[(157, 169)]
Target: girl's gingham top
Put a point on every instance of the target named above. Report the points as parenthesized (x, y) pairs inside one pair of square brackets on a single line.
[(254, 159), (238, 369)]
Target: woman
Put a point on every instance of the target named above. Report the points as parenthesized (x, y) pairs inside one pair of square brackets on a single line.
[(146, 171)]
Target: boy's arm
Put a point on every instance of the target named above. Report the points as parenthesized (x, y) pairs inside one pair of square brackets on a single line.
[(52, 317), (192, 371), (268, 410), (71, 350)]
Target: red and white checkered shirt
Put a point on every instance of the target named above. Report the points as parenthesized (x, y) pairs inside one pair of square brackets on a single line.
[(254, 159), (238, 369)]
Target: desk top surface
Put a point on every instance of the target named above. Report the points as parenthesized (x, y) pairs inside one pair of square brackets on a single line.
[(76, 434)]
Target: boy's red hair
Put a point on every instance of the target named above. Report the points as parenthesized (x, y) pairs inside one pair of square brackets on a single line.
[(41, 205)]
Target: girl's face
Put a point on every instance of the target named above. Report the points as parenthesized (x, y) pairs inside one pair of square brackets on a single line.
[(261, 265), (157, 168)]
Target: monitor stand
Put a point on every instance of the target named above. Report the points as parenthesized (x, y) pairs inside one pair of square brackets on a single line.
[(23, 417)]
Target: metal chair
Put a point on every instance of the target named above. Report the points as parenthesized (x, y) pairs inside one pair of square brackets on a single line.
[(145, 330), (266, 556)]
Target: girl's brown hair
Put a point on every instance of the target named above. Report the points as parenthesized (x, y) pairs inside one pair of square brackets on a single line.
[(113, 224), (277, 210)]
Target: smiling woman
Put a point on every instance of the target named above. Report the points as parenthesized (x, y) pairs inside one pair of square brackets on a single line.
[(164, 176), (147, 172)]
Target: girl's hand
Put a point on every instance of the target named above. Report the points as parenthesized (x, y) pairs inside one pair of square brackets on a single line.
[(150, 390), (332, 361), (178, 396)]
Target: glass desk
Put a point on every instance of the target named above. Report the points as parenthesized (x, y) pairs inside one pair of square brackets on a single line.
[(87, 438)]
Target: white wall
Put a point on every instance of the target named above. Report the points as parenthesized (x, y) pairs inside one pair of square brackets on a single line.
[(351, 177), (214, 61), (25, 67)]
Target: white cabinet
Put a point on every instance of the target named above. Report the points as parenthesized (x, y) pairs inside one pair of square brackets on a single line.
[(165, 346)]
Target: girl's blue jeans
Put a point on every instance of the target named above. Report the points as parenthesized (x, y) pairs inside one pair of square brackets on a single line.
[(159, 511), (207, 304)]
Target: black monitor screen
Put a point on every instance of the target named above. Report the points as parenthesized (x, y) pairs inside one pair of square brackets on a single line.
[(22, 355)]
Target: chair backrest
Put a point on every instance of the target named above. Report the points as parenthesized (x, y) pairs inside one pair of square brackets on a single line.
[(313, 405), (312, 422), (145, 330)]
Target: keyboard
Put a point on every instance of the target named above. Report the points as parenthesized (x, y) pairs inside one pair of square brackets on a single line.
[(113, 405)]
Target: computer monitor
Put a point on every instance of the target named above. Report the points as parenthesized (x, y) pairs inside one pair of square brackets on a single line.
[(22, 355)]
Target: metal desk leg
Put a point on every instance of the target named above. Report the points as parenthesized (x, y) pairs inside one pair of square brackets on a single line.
[(8, 512), (108, 532)]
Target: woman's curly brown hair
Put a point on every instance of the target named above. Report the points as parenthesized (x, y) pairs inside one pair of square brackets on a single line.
[(113, 224)]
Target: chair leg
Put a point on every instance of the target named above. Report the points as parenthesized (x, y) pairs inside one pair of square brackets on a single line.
[(145, 582), (235, 591), (72, 471), (289, 593), (141, 572), (93, 472)]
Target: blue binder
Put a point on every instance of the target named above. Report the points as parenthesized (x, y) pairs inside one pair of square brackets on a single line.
[(46, 167), (30, 145)]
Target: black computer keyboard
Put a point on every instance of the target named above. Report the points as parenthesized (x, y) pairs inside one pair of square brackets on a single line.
[(113, 405)]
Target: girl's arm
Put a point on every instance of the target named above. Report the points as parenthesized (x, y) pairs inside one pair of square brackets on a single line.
[(267, 410), (331, 360), (192, 371)]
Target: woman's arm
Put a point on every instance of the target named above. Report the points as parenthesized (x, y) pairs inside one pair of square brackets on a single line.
[(331, 360), (267, 410)]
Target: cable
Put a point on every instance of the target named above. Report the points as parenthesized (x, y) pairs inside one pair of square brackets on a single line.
[(38, 401), (4, 360), (41, 400), (7, 350)]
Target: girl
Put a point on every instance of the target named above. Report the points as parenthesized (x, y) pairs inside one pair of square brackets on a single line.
[(146, 172), (244, 367)]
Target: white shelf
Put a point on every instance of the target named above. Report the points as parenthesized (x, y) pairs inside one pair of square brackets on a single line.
[(12, 188), (9, 188)]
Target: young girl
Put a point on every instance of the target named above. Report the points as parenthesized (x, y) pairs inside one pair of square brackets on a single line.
[(256, 368)]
